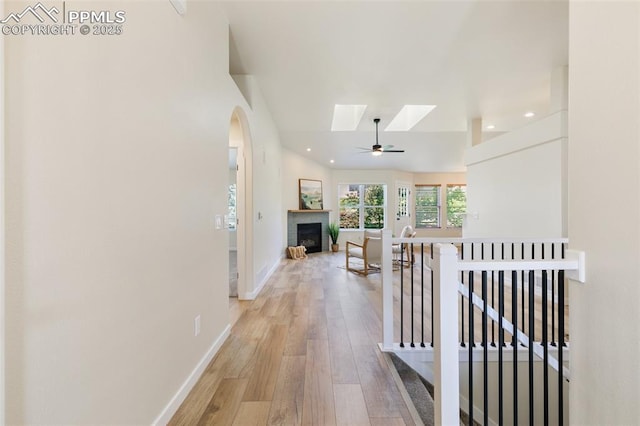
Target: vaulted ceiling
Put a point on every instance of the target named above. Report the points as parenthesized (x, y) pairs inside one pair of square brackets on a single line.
[(488, 59)]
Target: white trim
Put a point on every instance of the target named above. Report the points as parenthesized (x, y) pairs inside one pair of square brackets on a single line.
[(177, 400), (548, 129), (253, 294)]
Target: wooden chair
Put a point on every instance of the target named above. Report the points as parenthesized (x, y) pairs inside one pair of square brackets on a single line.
[(407, 232), (370, 252)]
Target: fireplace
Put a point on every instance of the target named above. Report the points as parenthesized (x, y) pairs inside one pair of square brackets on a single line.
[(305, 217), (310, 236)]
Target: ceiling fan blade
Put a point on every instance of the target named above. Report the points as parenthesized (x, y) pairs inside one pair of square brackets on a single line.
[(387, 147), (393, 150)]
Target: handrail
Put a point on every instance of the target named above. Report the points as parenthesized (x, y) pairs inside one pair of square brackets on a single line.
[(546, 261)]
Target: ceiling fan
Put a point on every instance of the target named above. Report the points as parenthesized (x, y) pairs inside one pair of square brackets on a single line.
[(378, 149)]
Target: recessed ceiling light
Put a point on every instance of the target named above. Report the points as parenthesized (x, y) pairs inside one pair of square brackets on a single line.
[(331, 161), (347, 117), (490, 127), (308, 149), (409, 116), (529, 114)]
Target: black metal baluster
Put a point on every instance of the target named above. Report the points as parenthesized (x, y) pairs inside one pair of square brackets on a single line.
[(500, 345), (422, 293), (431, 298), (413, 345), (531, 342), (485, 346), (561, 344), (545, 348), (523, 294), (493, 292), (514, 342), (471, 345), (561, 348), (401, 295), (553, 298), (462, 300)]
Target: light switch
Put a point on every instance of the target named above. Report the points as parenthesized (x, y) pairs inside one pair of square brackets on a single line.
[(218, 221)]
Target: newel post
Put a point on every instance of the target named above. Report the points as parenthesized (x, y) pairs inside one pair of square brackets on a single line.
[(387, 290), (445, 335)]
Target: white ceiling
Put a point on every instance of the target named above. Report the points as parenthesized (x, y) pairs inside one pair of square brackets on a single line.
[(489, 59)]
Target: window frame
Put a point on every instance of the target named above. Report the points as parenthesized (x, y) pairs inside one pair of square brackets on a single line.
[(362, 207), (438, 206)]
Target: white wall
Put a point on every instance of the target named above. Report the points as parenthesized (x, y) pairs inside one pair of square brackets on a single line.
[(116, 165), (516, 182), (294, 167), (266, 177), (604, 211)]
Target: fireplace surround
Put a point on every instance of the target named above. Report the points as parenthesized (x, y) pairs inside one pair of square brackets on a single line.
[(296, 217)]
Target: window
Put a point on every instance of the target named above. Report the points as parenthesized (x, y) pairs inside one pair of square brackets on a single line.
[(362, 206), (456, 205), (428, 206), (232, 207), (403, 201)]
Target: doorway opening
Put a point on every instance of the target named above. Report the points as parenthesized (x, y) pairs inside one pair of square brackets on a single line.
[(240, 206)]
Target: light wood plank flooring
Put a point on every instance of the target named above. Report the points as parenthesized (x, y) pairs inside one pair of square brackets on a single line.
[(304, 352), (421, 331)]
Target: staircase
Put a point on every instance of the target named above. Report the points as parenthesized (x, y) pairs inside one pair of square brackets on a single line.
[(486, 322)]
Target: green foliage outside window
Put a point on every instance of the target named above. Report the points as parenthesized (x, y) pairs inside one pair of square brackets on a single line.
[(456, 205), (428, 206), (232, 207), (361, 202)]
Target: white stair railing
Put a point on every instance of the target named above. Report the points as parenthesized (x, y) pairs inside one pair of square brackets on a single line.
[(447, 267)]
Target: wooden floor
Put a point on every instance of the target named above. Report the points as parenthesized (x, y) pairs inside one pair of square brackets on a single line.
[(417, 314), (304, 352)]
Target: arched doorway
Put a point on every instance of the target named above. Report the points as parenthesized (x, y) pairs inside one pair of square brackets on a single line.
[(240, 207)]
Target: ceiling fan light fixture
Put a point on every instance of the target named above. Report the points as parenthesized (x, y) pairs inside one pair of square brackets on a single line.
[(377, 149)]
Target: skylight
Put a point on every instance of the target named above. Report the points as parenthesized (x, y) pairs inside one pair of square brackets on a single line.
[(409, 116), (347, 117)]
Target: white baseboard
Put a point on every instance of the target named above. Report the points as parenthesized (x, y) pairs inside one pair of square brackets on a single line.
[(253, 294), (171, 408)]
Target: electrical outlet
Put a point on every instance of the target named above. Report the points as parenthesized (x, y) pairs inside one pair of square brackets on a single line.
[(196, 326)]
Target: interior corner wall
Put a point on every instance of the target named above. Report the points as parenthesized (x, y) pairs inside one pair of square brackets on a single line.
[(604, 211), (116, 165), (516, 183), (294, 167)]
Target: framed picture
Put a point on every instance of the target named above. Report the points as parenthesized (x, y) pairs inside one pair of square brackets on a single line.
[(310, 194)]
